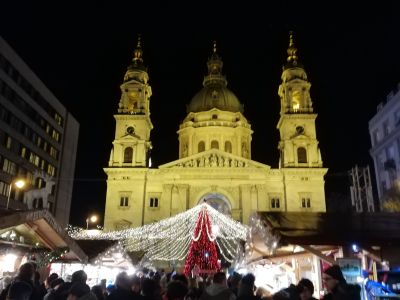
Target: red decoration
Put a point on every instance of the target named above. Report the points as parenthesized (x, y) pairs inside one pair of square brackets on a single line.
[(202, 255)]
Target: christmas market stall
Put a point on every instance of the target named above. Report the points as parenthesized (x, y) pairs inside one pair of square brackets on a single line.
[(106, 258), (282, 248), (198, 241), (34, 236)]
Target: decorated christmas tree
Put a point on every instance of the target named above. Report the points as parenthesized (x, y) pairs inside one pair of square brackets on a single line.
[(202, 257)]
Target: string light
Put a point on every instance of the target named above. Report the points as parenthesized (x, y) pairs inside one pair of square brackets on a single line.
[(258, 227), (202, 255), (169, 239)]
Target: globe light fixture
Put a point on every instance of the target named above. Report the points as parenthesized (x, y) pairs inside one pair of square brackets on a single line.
[(91, 219), (19, 184)]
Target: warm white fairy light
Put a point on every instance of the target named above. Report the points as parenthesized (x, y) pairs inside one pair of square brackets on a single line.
[(169, 239)]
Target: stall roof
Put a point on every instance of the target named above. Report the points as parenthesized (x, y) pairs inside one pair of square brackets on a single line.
[(41, 225), (306, 228)]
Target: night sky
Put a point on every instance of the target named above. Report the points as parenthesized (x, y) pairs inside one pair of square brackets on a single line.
[(80, 52)]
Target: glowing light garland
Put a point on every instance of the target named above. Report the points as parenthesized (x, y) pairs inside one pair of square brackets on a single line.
[(169, 239)]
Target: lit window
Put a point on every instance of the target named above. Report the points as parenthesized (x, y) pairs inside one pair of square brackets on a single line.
[(8, 142)]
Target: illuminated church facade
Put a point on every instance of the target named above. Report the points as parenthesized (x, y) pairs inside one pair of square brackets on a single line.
[(215, 161)]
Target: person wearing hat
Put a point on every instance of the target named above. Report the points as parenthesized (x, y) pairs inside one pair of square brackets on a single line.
[(337, 287), (306, 288)]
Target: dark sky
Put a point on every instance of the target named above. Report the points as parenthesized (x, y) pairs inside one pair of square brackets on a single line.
[(350, 52)]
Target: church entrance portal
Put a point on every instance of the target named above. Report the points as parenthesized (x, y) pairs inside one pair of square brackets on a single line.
[(218, 201)]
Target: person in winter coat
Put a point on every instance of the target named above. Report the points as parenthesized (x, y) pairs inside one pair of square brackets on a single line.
[(246, 288), (80, 291), (22, 286), (52, 290), (218, 290), (337, 286), (176, 290)]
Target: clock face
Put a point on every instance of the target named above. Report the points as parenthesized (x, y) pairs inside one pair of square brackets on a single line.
[(130, 130), (299, 129)]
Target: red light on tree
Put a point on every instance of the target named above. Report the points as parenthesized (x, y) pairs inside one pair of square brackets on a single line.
[(202, 256)]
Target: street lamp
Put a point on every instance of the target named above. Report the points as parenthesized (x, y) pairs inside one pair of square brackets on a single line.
[(92, 219), (19, 184)]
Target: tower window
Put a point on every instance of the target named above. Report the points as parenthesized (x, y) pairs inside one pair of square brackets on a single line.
[(214, 145), (228, 147), (154, 202), (296, 101), (201, 147), (305, 202), (128, 154), (301, 155), (124, 201), (275, 203)]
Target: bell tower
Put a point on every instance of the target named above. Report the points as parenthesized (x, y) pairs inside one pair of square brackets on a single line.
[(298, 141), (132, 143)]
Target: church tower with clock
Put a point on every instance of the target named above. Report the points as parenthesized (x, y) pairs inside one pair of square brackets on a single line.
[(133, 125), (214, 161)]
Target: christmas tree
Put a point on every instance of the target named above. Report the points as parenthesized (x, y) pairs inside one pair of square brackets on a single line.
[(202, 257)]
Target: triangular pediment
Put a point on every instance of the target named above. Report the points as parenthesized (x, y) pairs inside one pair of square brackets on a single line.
[(214, 158), (130, 137)]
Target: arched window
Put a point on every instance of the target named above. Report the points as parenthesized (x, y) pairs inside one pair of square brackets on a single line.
[(301, 155), (214, 145), (34, 203), (201, 147), (228, 147), (128, 154)]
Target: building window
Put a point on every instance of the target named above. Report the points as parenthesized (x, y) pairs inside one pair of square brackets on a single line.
[(301, 155), (383, 186), (275, 203), (305, 202), (376, 136), (201, 147), (4, 188), (154, 202), (228, 147), (124, 201), (214, 145), (9, 167), (128, 154), (386, 128), (53, 152), (51, 170), (8, 142)]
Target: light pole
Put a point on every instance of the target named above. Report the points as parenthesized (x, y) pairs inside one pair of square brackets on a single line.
[(92, 219), (19, 183)]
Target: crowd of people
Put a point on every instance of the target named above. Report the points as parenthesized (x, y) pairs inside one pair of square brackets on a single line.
[(167, 286)]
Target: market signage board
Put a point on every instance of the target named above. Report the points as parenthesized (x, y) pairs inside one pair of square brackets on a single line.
[(351, 268)]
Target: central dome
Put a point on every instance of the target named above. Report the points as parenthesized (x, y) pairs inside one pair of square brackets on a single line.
[(215, 94)]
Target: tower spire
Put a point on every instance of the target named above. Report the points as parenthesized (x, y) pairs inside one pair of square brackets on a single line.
[(292, 51), (214, 66), (138, 53)]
